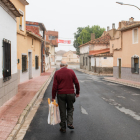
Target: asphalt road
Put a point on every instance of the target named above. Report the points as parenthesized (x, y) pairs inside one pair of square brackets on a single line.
[(104, 111)]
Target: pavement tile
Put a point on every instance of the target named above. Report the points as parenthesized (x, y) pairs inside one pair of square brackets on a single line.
[(12, 109)]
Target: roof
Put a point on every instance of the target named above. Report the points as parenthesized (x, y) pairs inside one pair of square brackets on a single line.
[(11, 7), (33, 29), (104, 55), (42, 26), (95, 52), (128, 23), (53, 33), (24, 2), (61, 52), (130, 26), (101, 40)]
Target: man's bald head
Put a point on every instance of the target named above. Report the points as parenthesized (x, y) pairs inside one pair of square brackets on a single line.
[(63, 64)]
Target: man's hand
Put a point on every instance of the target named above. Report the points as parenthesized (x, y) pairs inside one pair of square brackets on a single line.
[(53, 100), (77, 95)]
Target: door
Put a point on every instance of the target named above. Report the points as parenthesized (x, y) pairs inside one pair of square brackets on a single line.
[(30, 65), (89, 63), (119, 68)]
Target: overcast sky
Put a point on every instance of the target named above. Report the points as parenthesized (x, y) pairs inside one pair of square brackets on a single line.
[(65, 16)]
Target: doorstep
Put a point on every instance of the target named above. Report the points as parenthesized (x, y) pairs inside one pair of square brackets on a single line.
[(15, 110)]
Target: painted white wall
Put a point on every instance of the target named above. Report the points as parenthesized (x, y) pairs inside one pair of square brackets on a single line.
[(8, 30), (58, 57), (47, 66), (35, 72), (107, 62), (24, 76), (92, 61), (84, 49), (101, 62)]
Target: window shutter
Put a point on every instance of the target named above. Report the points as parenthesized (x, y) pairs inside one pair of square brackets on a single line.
[(135, 35), (21, 20)]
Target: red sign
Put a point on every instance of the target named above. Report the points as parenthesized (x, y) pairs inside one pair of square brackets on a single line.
[(64, 41)]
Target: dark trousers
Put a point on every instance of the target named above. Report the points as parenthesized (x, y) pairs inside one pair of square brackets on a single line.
[(65, 102)]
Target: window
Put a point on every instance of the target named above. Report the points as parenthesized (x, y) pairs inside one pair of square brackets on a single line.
[(51, 37), (36, 62), (105, 57), (21, 22), (6, 59), (135, 36), (135, 65), (24, 63)]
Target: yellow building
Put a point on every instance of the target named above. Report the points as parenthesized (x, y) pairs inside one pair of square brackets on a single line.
[(28, 47), (70, 57)]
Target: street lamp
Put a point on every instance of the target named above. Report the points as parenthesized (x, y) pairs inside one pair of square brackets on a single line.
[(127, 4)]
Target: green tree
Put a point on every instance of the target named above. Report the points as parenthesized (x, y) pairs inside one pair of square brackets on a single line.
[(83, 35)]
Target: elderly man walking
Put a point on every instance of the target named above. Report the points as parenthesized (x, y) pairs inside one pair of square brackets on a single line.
[(63, 86)]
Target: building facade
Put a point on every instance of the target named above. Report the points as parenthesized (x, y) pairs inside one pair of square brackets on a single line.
[(70, 57), (40, 30), (126, 51), (8, 51), (51, 37)]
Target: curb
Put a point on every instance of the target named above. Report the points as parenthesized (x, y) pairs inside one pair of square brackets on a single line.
[(123, 83), (92, 73), (26, 111)]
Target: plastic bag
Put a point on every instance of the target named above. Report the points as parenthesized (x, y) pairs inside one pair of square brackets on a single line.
[(54, 114)]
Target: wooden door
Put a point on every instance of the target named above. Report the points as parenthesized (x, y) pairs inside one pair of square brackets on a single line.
[(119, 68)]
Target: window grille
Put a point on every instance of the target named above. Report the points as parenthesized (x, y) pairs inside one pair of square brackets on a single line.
[(24, 63), (6, 59), (36, 62)]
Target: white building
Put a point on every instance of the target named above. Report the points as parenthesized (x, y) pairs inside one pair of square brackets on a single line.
[(8, 51), (59, 55)]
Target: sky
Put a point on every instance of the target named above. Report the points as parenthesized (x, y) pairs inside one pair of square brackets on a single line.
[(65, 16)]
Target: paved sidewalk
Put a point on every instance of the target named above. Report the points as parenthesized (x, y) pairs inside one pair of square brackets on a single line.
[(12, 109), (93, 73), (123, 82)]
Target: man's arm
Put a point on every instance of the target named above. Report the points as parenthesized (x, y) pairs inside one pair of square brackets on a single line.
[(54, 89), (75, 81)]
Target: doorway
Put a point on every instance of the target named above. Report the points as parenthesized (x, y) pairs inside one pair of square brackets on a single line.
[(30, 65), (119, 68), (89, 63)]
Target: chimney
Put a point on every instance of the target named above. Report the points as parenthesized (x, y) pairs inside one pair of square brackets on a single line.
[(113, 26), (92, 36), (107, 28), (131, 19)]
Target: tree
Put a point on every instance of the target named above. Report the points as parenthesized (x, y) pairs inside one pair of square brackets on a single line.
[(83, 35)]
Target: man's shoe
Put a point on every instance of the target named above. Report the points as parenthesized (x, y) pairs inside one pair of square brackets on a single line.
[(70, 126), (62, 130)]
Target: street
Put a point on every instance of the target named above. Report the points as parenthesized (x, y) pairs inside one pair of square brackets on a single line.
[(104, 111)]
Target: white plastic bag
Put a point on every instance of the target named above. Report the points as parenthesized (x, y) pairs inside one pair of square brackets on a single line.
[(54, 114)]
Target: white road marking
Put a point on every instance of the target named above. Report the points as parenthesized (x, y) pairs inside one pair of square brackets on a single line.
[(135, 94), (123, 109), (133, 100), (121, 97), (83, 111), (129, 112)]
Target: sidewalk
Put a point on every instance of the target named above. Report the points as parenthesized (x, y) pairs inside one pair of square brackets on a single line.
[(11, 111), (123, 82), (93, 73)]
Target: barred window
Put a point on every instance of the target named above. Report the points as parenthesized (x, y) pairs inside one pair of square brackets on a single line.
[(24, 63), (6, 59), (86, 61), (135, 65), (36, 62)]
